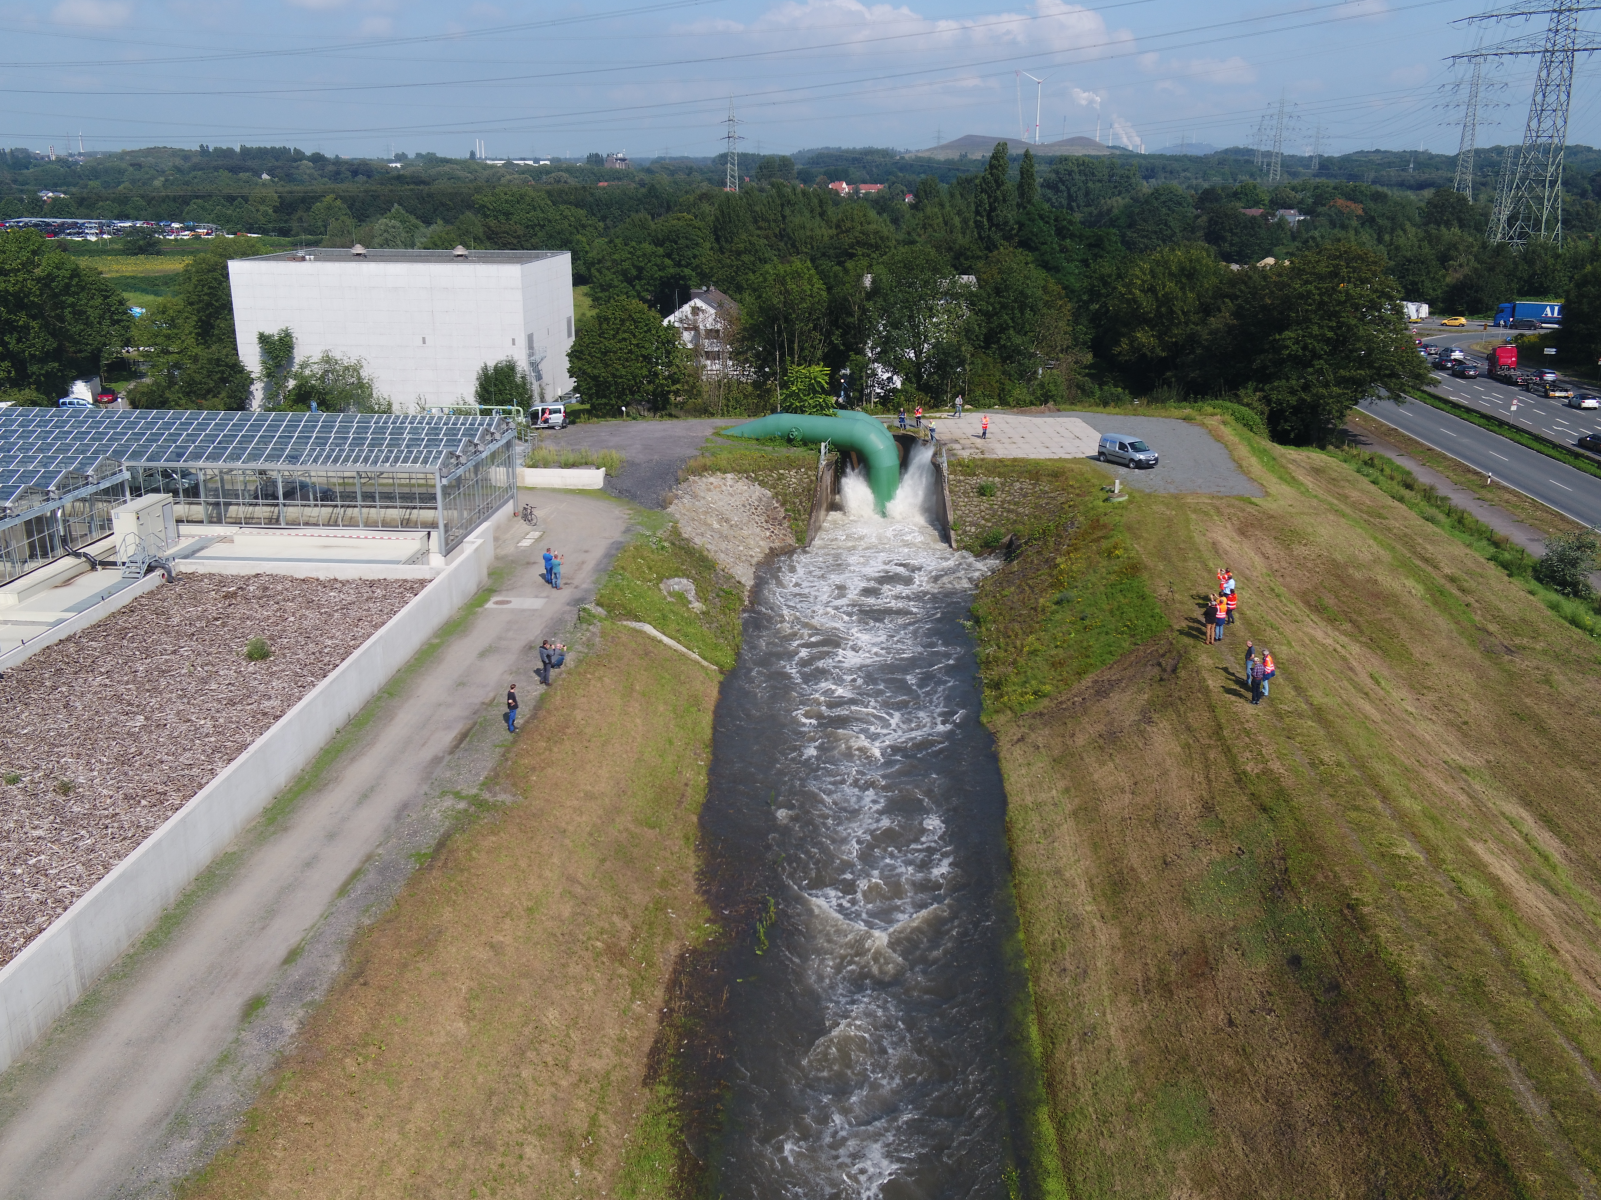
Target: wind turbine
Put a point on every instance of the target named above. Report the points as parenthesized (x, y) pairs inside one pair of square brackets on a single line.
[(1039, 94)]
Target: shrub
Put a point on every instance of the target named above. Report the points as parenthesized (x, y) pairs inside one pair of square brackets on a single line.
[(1566, 565), (576, 456), (257, 649), (986, 489), (64, 787)]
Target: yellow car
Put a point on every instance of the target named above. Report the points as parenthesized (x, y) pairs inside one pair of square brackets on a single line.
[(1455, 322)]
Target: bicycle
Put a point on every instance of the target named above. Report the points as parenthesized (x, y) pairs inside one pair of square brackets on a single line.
[(530, 517)]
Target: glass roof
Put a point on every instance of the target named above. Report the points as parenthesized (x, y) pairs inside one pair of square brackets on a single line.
[(39, 445)]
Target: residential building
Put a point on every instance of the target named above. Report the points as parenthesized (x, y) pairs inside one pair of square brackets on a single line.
[(706, 324), (423, 321)]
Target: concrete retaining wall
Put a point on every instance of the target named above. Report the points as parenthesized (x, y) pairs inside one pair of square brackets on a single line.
[(823, 494), (561, 477), (40, 984), (83, 620)]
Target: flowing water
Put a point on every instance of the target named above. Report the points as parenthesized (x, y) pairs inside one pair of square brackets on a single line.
[(872, 1049)]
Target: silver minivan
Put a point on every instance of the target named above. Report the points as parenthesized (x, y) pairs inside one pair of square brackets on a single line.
[(1130, 451)]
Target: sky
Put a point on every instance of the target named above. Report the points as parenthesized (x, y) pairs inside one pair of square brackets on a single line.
[(651, 77)]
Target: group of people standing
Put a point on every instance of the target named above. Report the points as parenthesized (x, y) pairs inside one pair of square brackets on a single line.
[(551, 655), (552, 568), (1220, 606), (1218, 615), (917, 417), (1258, 673)]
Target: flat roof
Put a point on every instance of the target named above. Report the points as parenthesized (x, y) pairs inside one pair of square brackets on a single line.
[(40, 445), (324, 254)]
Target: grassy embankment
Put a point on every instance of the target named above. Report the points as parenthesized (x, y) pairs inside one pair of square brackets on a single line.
[(1346, 943), (492, 1031), (1526, 509)]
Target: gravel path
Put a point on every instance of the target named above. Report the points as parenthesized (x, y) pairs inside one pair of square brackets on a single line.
[(106, 734), (653, 451), (1192, 459)]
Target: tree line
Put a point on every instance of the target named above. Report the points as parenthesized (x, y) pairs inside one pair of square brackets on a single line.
[(1079, 281)]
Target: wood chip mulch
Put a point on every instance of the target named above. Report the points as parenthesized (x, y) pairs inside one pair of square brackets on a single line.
[(106, 734)]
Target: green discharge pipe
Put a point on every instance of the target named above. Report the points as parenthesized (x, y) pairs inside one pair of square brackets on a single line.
[(864, 435)]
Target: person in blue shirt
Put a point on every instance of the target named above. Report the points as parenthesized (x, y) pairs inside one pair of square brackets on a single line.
[(549, 560)]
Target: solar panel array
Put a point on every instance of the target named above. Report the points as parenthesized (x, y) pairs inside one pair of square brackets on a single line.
[(39, 445)]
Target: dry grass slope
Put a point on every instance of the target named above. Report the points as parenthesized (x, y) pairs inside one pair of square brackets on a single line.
[(491, 1033), (1345, 944)]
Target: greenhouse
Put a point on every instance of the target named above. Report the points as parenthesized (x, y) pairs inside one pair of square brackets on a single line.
[(62, 472)]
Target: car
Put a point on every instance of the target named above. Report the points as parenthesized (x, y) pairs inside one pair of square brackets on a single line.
[(105, 396), (1126, 449), (1584, 400), (1525, 323), (73, 402), (1431, 347), (1455, 322), (1465, 370), (1545, 375), (1590, 442), (1443, 363), (549, 416)]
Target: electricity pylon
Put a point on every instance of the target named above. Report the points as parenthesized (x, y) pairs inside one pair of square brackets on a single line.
[(1276, 157), (1317, 147), (731, 176), (1470, 130), (1528, 203)]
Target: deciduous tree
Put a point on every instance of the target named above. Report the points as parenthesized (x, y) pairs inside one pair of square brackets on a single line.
[(626, 357), (57, 318)]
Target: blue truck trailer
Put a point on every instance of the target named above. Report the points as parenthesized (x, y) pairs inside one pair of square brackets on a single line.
[(1541, 312)]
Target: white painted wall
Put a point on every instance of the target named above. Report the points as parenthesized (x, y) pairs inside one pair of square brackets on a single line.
[(64, 961), (424, 327)]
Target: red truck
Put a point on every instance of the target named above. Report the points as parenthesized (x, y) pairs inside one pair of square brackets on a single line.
[(1503, 363)]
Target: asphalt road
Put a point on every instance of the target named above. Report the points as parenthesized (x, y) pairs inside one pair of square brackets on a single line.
[(1555, 484), (653, 451)]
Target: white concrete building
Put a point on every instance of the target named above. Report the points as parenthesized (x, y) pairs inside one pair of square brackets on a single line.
[(424, 321)]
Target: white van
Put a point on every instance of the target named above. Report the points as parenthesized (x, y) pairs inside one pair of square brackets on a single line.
[(549, 416), (1127, 450)]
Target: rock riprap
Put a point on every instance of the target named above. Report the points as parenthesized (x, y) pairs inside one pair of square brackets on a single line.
[(735, 521)]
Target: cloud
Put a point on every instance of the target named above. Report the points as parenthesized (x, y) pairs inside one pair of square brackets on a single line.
[(1088, 99), (96, 14), (1053, 27)]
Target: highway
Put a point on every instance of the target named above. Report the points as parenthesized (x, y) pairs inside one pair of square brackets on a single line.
[(1569, 491), (1552, 418)]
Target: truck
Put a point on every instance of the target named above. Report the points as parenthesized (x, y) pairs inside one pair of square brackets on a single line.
[(1528, 314), (1503, 364), (1416, 310)]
